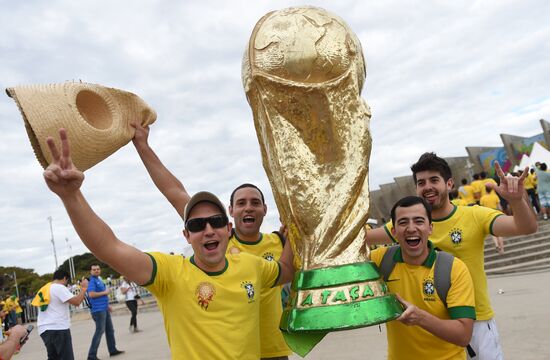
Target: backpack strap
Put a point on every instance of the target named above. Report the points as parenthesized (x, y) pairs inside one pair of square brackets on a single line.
[(387, 264), (442, 274)]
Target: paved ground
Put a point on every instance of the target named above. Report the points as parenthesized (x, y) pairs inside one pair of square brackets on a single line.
[(523, 317)]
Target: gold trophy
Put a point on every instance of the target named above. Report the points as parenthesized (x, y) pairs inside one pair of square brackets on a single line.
[(303, 72)]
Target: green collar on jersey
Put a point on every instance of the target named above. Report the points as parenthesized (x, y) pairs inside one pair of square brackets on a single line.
[(210, 273)]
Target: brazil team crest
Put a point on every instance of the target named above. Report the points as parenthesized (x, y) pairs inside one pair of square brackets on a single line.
[(428, 289), (205, 294), (249, 288), (268, 256), (456, 236)]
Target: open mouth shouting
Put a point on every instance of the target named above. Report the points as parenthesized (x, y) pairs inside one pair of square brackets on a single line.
[(211, 245), (413, 241), (248, 219)]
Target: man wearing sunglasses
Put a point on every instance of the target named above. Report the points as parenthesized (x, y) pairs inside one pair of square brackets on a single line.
[(248, 209), (211, 301)]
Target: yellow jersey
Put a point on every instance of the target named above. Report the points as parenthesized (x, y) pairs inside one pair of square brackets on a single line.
[(462, 233), (269, 247), (485, 182), (211, 315), (459, 201), (466, 193), (415, 284), (478, 187), (490, 200), (530, 182)]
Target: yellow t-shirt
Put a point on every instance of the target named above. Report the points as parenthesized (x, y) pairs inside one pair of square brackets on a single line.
[(211, 315), (415, 284), (269, 247), (478, 186), (485, 182), (459, 201), (490, 200), (466, 193), (462, 234), (529, 182)]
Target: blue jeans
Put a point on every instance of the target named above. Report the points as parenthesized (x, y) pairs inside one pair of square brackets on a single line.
[(103, 324)]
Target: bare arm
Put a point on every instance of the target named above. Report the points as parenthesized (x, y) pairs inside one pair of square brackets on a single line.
[(11, 345), (96, 294), (286, 262), (524, 220), (377, 236), (77, 300), (64, 179), (456, 331), (124, 289), (172, 189)]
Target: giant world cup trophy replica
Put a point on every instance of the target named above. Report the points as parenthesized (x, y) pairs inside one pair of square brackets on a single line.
[(303, 72)]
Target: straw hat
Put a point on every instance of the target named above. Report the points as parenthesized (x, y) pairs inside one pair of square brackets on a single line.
[(97, 118)]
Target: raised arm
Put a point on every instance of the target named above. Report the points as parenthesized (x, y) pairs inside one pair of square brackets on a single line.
[(523, 221), (172, 189), (286, 261), (65, 180), (77, 299), (456, 331), (377, 236)]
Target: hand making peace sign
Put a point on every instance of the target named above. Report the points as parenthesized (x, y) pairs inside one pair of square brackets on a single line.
[(61, 176)]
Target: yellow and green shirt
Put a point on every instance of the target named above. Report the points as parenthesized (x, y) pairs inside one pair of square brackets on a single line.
[(212, 315), (269, 247), (462, 233), (415, 284)]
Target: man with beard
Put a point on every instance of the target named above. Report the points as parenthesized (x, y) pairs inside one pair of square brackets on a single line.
[(248, 209), (461, 231)]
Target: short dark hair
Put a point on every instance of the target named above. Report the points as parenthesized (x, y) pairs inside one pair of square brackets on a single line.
[(409, 201), (429, 161), (94, 264), (464, 181), (483, 175), (61, 274), (543, 166), (476, 176), (246, 185)]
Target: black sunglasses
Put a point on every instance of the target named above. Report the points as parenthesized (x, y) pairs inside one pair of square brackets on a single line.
[(198, 224)]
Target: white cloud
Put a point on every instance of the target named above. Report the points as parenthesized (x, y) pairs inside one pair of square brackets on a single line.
[(440, 76)]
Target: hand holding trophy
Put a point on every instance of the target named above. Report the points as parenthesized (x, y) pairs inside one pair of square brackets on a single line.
[(303, 72)]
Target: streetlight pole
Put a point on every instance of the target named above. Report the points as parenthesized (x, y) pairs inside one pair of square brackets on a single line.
[(16, 287), (71, 263), (53, 242)]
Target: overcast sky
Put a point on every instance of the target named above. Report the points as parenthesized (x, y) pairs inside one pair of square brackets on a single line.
[(441, 75)]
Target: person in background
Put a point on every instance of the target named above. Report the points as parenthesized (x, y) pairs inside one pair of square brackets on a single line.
[(55, 321), (101, 314), (129, 289), (543, 188)]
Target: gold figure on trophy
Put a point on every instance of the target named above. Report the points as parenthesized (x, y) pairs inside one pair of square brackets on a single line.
[(303, 73)]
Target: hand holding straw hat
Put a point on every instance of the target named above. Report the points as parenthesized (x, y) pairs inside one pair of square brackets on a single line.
[(96, 118)]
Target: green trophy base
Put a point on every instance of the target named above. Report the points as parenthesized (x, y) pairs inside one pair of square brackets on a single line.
[(335, 298)]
